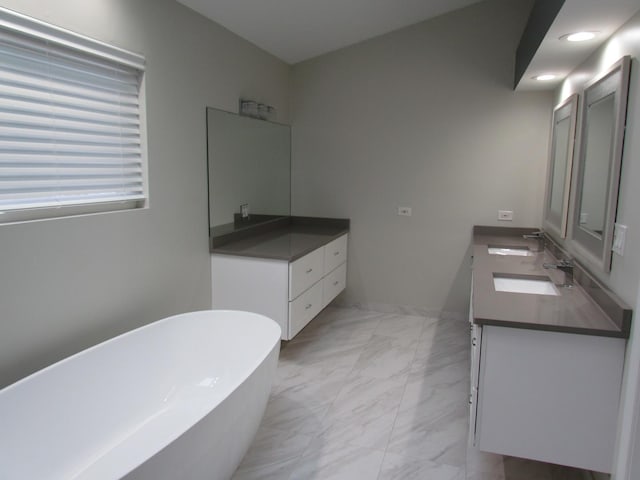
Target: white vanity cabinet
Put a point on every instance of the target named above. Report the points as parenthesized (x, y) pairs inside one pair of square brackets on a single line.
[(291, 293), (548, 396), (546, 370)]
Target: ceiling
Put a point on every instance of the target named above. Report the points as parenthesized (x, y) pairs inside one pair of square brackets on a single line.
[(296, 30), (561, 57)]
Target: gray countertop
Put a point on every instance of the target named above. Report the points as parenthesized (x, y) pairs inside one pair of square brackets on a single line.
[(288, 243), (572, 311)]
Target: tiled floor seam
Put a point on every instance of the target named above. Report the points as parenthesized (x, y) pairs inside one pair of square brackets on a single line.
[(386, 449), (351, 371), (331, 404)]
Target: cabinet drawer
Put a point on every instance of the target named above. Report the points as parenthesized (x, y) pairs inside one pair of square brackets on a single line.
[(334, 283), (304, 308), (305, 271), (335, 253)]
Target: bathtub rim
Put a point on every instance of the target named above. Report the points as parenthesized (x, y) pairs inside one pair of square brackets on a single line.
[(43, 370), (271, 344)]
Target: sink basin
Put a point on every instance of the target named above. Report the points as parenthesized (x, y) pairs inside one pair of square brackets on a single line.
[(519, 251), (532, 284)]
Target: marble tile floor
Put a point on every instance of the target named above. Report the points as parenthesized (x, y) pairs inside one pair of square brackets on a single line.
[(363, 395)]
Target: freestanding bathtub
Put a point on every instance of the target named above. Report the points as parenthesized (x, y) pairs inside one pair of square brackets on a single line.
[(180, 398)]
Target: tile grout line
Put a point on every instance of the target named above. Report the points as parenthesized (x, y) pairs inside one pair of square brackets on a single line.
[(331, 404)]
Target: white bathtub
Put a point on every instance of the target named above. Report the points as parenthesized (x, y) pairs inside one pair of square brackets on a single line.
[(180, 398)]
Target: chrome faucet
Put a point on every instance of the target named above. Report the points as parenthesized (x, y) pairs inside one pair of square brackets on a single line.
[(539, 235), (567, 267)]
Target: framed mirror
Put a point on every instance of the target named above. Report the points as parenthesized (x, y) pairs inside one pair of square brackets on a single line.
[(563, 129), (598, 174), (249, 169)]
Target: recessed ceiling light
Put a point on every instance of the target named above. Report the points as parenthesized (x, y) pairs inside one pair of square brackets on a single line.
[(578, 36), (545, 77)]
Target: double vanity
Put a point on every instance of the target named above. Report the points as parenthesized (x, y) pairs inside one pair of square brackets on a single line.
[(288, 270), (548, 345)]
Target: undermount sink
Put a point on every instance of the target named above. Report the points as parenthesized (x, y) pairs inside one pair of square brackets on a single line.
[(532, 284), (518, 251)]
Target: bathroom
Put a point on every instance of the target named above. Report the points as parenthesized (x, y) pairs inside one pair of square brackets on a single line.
[(424, 117)]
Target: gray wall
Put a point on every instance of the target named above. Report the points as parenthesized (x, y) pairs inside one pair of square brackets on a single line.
[(69, 283), (422, 117)]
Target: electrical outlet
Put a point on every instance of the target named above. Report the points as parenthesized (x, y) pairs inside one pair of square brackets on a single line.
[(505, 215), (619, 237), (404, 211)]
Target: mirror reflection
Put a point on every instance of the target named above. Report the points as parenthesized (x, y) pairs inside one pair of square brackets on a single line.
[(595, 180), (249, 164), (561, 159), (598, 176)]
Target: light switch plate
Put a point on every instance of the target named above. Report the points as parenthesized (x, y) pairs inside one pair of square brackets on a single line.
[(505, 215), (584, 218), (619, 237)]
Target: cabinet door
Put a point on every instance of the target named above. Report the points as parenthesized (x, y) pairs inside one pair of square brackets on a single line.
[(304, 308), (549, 396), (251, 284), (305, 271), (335, 253), (334, 283)]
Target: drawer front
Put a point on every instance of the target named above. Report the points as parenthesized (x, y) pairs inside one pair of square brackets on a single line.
[(335, 253), (305, 271), (304, 308), (334, 283)]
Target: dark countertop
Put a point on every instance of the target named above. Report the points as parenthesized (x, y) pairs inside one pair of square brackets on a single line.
[(288, 242), (572, 311)]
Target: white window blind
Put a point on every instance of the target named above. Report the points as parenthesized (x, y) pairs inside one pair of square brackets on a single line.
[(70, 121)]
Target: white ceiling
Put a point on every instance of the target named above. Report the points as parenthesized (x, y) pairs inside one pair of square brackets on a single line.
[(296, 30)]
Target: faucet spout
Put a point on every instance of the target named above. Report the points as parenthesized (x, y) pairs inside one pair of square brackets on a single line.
[(538, 235), (565, 265)]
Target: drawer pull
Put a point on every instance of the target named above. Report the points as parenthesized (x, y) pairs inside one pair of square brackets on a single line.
[(310, 270), (308, 307), (336, 253), (470, 399), (336, 283), (473, 342)]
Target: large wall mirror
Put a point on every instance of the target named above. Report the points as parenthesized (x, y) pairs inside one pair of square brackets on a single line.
[(249, 164), (598, 175), (560, 166)]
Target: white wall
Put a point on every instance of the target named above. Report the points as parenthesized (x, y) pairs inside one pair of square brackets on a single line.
[(424, 117), (68, 283)]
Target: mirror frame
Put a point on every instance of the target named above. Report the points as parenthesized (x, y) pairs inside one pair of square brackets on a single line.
[(568, 109), (614, 81)]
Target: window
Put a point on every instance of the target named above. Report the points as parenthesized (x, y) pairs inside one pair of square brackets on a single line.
[(71, 123)]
